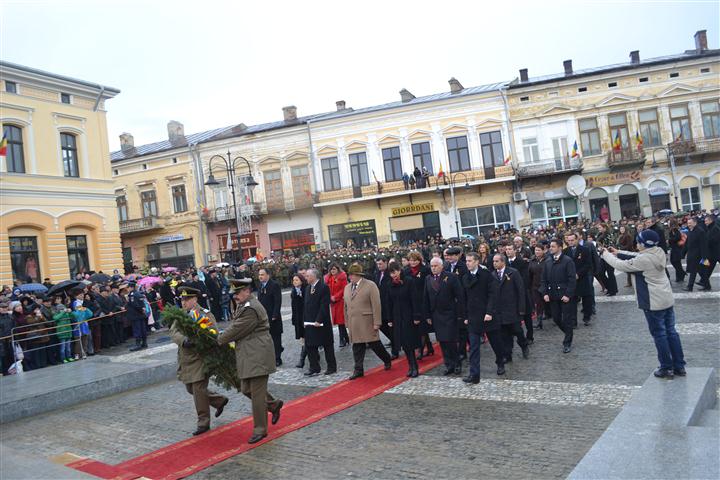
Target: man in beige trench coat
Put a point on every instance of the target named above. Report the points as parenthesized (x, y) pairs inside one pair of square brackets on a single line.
[(190, 365), (363, 317), (254, 355)]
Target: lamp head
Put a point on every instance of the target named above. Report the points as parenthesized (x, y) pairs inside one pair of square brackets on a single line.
[(211, 182)]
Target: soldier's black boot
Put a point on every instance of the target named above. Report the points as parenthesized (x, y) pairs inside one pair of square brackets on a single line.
[(303, 355), (143, 344)]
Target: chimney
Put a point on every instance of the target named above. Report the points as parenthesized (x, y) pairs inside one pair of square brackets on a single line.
[(567, 65), (406, 96), (290, 113), (635, 57), (701, 41), (523, 75), (340, 104), (127, 142), (455, 86), (176, 131)]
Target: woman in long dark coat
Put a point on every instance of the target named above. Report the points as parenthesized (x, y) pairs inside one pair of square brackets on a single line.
[(297, 302), (406, 327), (415, 274)]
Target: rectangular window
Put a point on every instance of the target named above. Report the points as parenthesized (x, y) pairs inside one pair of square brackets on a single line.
[(244, 193), (331, 173), (475, 221), (392, 164), (422, 157), (10, 87), (122, 208), (582, 89), (77, 254), (65, 97), (531, 152), (674, 75), (649, 127), (551, 212), (716, 196), (149, 203), (359, 169), (680, 122), (220, 194), (690, 198), (179, 199), (492, 149), (15, 156), (524, 99), (301, 183), (642, 79), (458, 154), (589, 136), (68, 144), (274, 190), (25, 259), (612, 84), (710, 118), (618, 127)]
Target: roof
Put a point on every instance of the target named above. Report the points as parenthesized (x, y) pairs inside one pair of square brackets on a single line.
[(35, 71), (688, 55), (157, 147)]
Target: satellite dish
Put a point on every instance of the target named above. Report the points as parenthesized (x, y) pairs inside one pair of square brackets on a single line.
[(576, 185)]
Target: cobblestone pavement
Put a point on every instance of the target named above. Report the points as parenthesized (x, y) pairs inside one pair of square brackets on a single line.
[(537, 422)]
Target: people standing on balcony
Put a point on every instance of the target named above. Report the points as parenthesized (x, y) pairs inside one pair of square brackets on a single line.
[(406, 181), (270, 297), (419, 180), (336, 280), (425, 178), (412, 182), (696, 245)]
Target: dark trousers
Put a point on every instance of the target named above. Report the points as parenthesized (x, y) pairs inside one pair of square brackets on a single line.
[(475, 342), (96, 331), (450, 354), (676, 262), (359, 354), (509, 331), (277, 343), (343, 334), (497, 343), (588, 302), (464, 341), (610, 280), (107, 333), (138, 329), (691, 280), (529, 332), (119, 330), (565, 317), (314, 357), (706, 272), (387, 330)]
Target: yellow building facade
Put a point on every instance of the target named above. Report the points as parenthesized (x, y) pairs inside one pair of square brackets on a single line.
[(57, 207)]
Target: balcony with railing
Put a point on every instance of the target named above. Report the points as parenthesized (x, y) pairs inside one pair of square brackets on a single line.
[(222, 214), (695, 147), (139, 225), (551, 166), (626, 157)]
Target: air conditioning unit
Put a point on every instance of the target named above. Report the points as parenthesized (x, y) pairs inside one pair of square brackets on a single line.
[(519, 196), (150, 256), (706, 181)]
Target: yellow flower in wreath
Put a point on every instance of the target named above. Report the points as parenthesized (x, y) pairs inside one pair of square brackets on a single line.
[(213, 331), (203, 325)]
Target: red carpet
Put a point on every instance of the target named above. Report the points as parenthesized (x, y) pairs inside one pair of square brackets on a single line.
[(197, 453)]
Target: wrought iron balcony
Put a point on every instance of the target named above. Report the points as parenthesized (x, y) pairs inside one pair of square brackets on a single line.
[(222, 214), (550, 166), (626, 157), (136, 225), (695, 147)]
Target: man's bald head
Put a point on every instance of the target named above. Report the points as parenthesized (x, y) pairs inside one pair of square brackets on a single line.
[(436, 265)]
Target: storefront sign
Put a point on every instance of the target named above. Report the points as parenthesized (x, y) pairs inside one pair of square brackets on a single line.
[(169, 238), (413, 209), (353, 234), (297, 239), (613, 179), (249, 240), (660, 190)]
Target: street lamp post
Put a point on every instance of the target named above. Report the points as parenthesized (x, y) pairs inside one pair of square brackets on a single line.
[(230, 167), (671, 160), (439, 191)]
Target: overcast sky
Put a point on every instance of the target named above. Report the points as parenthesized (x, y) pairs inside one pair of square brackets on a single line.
[(212, 63)]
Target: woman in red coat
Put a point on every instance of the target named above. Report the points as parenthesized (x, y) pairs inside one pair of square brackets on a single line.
[(336, 281)]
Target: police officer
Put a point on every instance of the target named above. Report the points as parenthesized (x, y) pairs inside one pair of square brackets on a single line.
[(190, 364), (254, 355), (137, 317)]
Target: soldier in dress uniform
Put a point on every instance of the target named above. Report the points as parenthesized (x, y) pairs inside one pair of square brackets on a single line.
[(254, 355), (190, 364)]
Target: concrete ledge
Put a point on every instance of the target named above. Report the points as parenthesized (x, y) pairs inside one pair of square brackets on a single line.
[(16, 465), (658, 434)]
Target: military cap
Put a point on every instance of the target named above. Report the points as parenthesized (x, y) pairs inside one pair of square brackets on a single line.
[(238, 284), (186, 291), (355, 269)]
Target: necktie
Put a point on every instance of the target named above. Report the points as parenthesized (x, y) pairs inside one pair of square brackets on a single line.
[(499, 275), (436, 282), (354, 289), (382, 274)]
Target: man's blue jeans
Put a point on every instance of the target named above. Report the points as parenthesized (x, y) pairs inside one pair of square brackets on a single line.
[(667, 341)]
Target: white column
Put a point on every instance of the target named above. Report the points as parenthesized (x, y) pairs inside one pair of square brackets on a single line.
[(604, 127), (695, 119), (406, 156), (288, 194), (344, 167), (439, 151), (474, 148), (374, 159)]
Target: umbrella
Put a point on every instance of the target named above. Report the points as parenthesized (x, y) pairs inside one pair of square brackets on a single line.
[(33, 288), (99, 278), (149, 281), (63, 286), (169, 269)]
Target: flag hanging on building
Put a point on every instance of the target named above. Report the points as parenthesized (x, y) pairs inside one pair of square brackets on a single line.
[(575, 152), (507, 159), (617, 143), (3, 146), (639, 140), (440, 172)]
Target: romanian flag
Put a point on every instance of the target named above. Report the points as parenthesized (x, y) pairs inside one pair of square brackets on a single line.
[(440, 172), (617, 143), (3, 147), (639, 140), (575, 153), (507, 159)]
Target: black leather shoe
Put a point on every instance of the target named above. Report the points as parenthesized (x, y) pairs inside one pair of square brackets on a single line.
[(526, 352), (705, 288), (687, 289), (356, 375), (508, 359), (530, 341), (414, 373), (278, 363), (663, 373), (300, 364), (567, 349), (458, 370), (220, 409), (200, 431), (312, 374), (501, 370), (343, 343), (257, 437), (448, 371), (276, 413), (330, 372), (470, 379), (388, 366), (680, 372)]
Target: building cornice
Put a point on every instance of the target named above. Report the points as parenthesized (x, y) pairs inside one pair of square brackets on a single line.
[(53, 81)]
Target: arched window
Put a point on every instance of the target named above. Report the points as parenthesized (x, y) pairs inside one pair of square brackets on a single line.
[(15, 154), (68, 143)]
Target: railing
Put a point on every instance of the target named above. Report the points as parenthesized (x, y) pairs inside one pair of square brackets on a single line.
[(549, 167), (222, 214), (695, 146), (139, 224), (626, 157)]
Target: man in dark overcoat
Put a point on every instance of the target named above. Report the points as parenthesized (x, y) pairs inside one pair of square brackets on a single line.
[(479, 288), (509, 305), (584, 290), (318, 325), (270, 296), (696, 245), (557, 285)]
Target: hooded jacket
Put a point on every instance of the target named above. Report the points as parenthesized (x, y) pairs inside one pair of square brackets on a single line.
[(652, 286)]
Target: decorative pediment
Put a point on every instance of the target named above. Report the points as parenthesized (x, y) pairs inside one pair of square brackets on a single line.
[(326, 151), (297, 155), (389, 140), (419, 135), (556, 109), (454, 128), (269, 160), (679, 89), (616, 99), (355, 145), (489, 123)]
